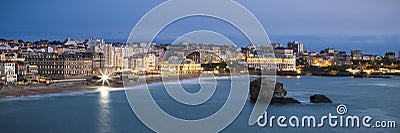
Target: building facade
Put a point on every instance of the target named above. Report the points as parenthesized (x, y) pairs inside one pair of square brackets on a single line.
[(187, 66), (280, 64), (342, 59), (297, 47), (9, 72), (283, 52), (390, 55), (65, 66), (356, 54)]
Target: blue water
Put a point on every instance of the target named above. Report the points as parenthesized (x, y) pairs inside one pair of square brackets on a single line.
[(109, 111)]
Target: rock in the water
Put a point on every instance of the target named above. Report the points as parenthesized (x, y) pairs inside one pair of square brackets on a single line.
[(284, 100), (279, 95), (255, 89), (279, 91), (319, 98)]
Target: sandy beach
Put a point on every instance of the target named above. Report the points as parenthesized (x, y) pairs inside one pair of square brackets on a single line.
[(11, 91)]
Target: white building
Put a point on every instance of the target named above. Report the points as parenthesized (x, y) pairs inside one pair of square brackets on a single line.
[(310, 53), (4, 45), (283, 52), (108, 55), (151, 62), (9, 72), (143, 62), (369, 57), (70, 46), (118, 59), (135, 62), (32, 72), (280, 64), (329, 51), (95, 46), (187, 66), (356, 54)]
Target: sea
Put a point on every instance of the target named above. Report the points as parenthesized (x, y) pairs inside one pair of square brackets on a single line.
[(107, 110)]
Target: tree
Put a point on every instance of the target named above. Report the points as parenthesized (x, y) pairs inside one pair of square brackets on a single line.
[(55, 43), (20, 41)]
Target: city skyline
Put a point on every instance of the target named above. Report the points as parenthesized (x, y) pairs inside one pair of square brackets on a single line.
[(380, 52), (76, 59), (199, 66), (314, 23)]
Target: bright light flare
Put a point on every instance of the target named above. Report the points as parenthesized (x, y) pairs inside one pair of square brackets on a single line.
[(104, 77)]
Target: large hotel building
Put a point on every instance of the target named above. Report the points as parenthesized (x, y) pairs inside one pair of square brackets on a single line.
[(64, 66)]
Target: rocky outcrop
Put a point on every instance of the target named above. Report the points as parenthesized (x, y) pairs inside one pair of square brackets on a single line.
[(319, 98), (284, 100), (255, 86), (279, 91), (279, 95)]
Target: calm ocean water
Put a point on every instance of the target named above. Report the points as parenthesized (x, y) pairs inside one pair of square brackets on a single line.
[(109, 111)]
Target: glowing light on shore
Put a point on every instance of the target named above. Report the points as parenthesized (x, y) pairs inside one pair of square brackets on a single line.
[(298, 71), (104, 92), (104, 77)]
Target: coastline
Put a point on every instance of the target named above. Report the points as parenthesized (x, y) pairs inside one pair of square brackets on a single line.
[(21, 91), (43, 89)]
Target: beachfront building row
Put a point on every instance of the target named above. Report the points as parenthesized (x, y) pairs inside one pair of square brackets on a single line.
[(75, 59), (143, 63), (187, 66), (85, 58), (280, 64), (284, 60), (62, 66)]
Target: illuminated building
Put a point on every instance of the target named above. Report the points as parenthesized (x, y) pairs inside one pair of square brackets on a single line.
[(9, 71), (356, 54), (321, 62), (283, 52), (64, 66), (187, 66), (281, 64)]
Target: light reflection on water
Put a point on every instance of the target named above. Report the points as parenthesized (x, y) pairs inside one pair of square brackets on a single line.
[(104, 114)]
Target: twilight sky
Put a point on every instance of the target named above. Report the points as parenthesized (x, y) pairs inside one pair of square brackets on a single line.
[(371, 25)]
